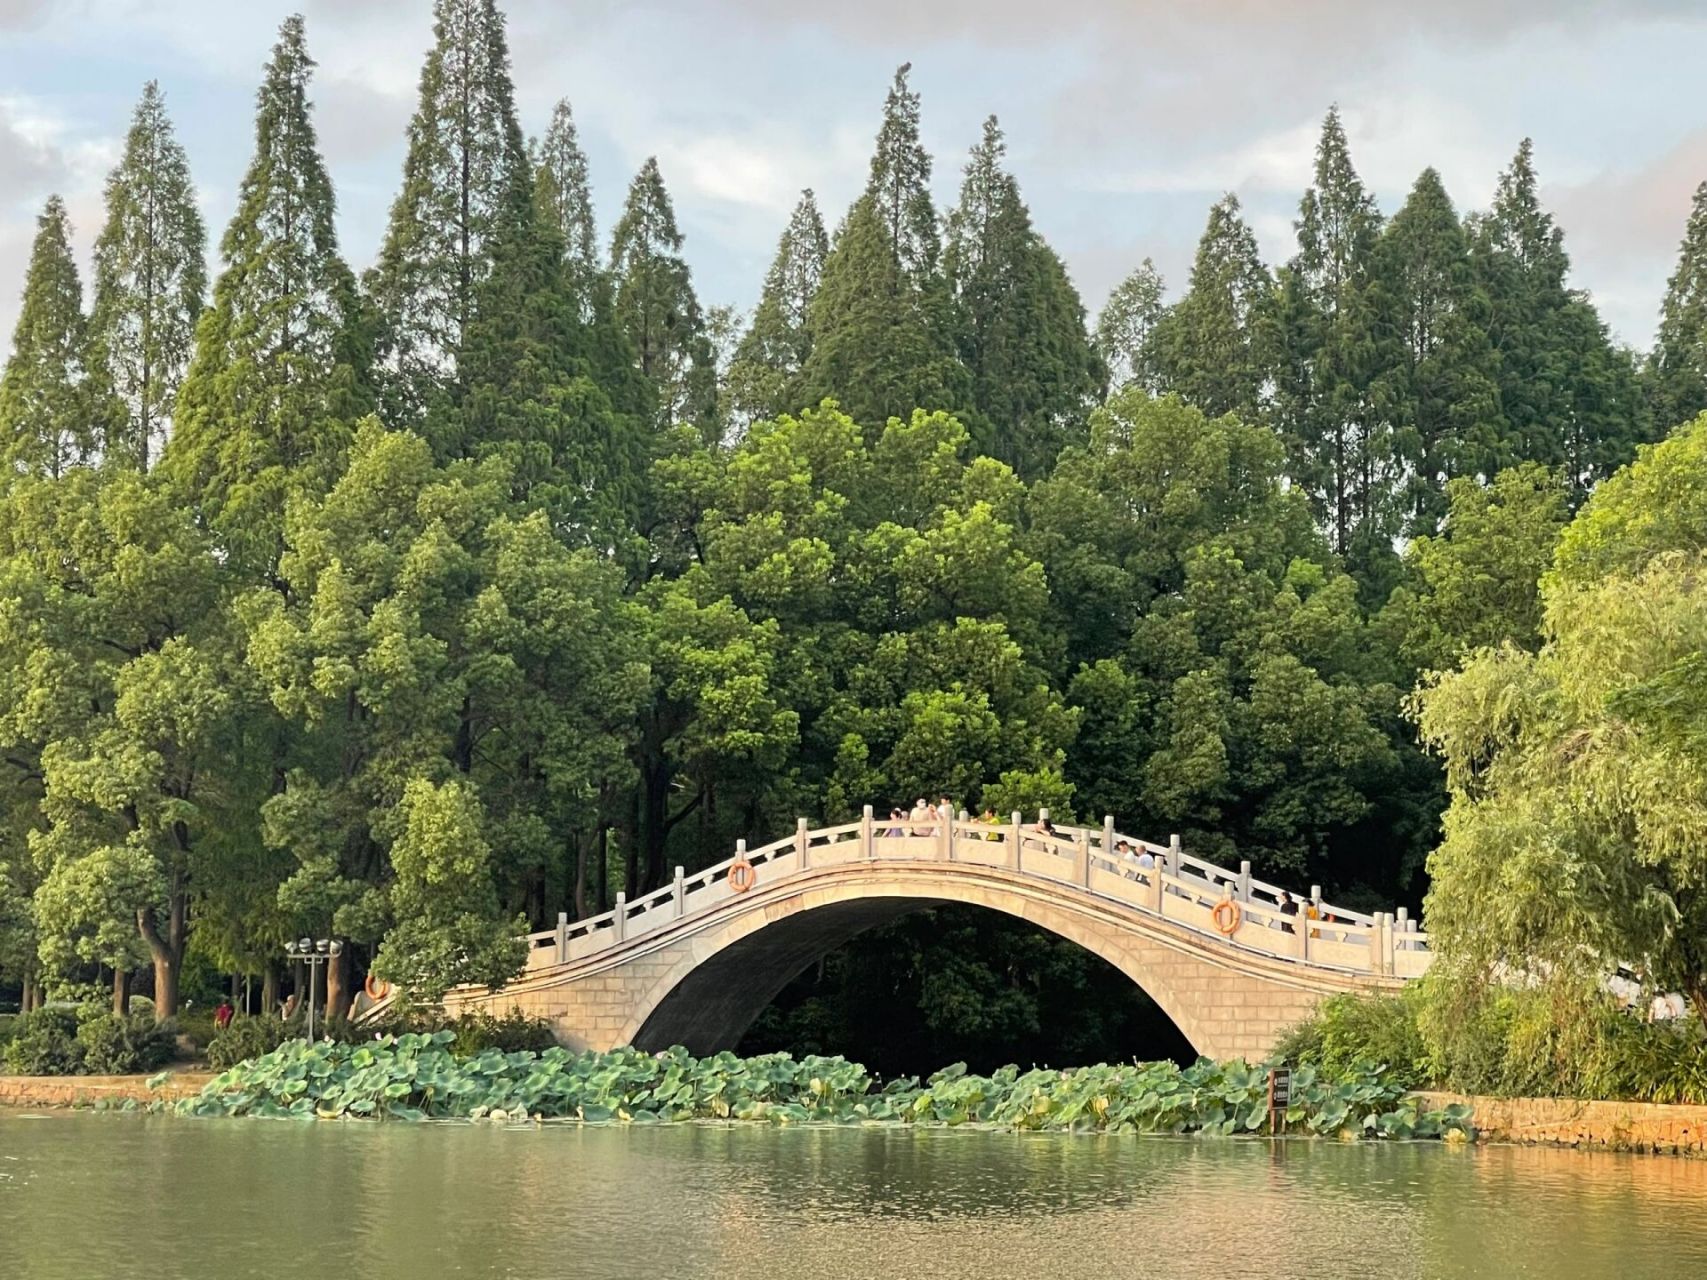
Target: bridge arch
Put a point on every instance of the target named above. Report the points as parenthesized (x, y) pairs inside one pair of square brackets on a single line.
[(710, 996)]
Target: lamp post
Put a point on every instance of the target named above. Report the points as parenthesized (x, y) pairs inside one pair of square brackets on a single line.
[(313, 952)]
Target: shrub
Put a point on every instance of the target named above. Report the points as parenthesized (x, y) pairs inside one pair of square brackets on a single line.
[(1349, 1033), (114, 1044), (45, 1044), (8, 1029), (246, 1038)]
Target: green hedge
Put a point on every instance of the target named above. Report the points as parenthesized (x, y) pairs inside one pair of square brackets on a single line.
[(418, 1076), (88, 1041)]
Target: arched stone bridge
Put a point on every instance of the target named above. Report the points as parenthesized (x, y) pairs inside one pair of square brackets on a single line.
[(695, 962)]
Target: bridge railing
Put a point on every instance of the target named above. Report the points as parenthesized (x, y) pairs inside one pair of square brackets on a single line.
[(1179, 888)]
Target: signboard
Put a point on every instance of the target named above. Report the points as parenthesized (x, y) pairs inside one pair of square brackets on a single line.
[(1279, 1097)]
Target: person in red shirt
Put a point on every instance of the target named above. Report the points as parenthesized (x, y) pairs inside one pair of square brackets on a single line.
[(222, 1015)]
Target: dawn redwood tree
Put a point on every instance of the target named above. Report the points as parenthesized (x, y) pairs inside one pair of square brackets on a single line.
[(462, 175), (1019, 323), (764, 376), (282, 355), (1436, 390), (51, 414), (875, 348), (899, 185), (1126, 325), (656, 307), (1337, 449), (1677, 370), (1214, 346), (563, 201), (150, 282)]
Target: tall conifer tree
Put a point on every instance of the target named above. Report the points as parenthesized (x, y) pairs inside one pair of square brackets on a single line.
[(1019, 323), (1126, 326), (1677, 373), (656, 306), (899, 186), (1213, 347), (464, 169), (150, 281), (1437, 390), (874, 346), (764, 377), (1567, 396), (563, 198), (281, 356), (50, 415), (1323, 386)]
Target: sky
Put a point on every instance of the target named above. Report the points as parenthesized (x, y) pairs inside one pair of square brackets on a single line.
[(1125, 119)]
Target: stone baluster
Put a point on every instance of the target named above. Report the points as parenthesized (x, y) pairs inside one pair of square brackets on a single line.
[(802, 843), (1174, 852), (619, 918), (562, 936), (1244, 882), (1082, 858), (1108, 839), (867, 837), (681, 894), (1016, 838)]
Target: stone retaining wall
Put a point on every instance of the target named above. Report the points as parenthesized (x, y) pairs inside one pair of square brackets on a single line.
[(1575, 1122), (83, 1091)]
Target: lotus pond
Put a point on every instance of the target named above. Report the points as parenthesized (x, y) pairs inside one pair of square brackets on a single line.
[(416, 1077)]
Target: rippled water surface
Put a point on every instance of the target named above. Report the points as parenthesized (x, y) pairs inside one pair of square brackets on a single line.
[(85, 1195)]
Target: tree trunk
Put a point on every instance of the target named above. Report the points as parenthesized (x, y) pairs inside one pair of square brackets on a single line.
[(270, 989), (121, 992), (165, 985), (580, 894), (336, 1003), (604, 869)]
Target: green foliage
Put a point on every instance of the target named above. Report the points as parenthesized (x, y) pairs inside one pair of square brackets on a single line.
[(1556, 1040), (764, 376), (113, 1044), (244, 1038), (1126, 327), (413, 1077), (90, 1041), (44, 1043)]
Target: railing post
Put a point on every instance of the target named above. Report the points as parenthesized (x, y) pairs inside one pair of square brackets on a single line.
[(1082, 857), (619, 917), (867, 841), (1303, 937), (945, 837), (1387, 947), (1174, 852), (802, 845), (562, 936), (1316, 895), (1108, 836), (1244, 882), (1401, 926), (681, 894), (1014, 838), (1156, 874)]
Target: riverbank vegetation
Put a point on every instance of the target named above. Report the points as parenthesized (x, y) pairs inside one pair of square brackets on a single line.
[(416, 1077), (419, 607)]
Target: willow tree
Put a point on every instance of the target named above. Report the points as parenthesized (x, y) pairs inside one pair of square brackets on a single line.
[(150, 281), (1578, 775)]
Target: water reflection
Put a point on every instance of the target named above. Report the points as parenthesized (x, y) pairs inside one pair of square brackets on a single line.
[(86, 1196)]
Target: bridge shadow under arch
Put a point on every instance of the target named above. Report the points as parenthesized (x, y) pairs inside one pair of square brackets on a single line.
[(713, 1006)]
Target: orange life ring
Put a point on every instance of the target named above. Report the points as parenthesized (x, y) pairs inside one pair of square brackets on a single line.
[(742, 877), (1226, 916), (376, 988)]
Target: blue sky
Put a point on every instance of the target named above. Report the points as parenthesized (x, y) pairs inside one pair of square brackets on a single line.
[(1124, 119)]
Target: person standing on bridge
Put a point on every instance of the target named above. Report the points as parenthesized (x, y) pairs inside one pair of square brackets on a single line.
[(921, 818), (1287, 908)]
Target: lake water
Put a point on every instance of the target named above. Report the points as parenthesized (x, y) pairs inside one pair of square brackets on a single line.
[(85, 1196)]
